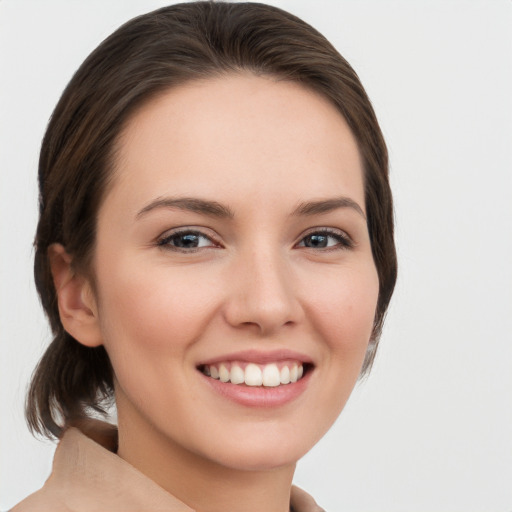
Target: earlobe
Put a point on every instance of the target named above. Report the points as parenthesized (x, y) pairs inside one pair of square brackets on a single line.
[(77, 305)]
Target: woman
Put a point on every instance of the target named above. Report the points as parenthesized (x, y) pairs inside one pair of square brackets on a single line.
[(214, 252)]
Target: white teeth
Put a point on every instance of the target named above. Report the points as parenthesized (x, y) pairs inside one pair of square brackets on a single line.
[(237, 375), (293, 373), (223, 373), (285, 375), (268, 375), (253, 375), (271, 376)]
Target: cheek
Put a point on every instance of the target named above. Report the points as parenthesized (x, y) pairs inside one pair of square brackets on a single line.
[(150, 319), (343, 309), (150, 316), (154, 308), (341, 312)]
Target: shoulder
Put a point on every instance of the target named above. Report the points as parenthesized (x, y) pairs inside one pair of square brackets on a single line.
[(41, 501), (87, 476)]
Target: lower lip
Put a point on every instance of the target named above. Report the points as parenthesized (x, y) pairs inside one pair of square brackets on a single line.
[(260, 396)]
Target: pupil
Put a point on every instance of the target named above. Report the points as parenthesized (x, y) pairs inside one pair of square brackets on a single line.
[(186, 241), (317, 241)]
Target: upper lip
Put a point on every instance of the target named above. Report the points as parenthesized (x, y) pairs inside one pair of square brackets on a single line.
[(259, 357)]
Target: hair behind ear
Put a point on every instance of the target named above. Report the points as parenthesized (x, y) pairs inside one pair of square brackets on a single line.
[(72, 376), (69, 379)]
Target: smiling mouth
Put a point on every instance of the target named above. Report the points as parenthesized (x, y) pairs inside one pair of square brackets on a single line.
[(257, 375)]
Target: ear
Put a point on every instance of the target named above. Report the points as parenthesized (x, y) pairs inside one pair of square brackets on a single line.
[(77, 304)]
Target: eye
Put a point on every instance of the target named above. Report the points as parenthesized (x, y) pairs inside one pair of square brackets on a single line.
[(186, 240), (326, 239)]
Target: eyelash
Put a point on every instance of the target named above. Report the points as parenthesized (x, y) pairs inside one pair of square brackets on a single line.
[(343, 240)]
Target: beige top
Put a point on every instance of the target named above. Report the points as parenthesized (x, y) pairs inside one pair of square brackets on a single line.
[(88, 476)]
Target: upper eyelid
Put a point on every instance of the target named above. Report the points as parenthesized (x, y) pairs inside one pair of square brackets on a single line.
[(326, 230), (203, 231)]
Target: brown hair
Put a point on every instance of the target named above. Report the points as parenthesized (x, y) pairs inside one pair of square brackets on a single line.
[(145, 56)]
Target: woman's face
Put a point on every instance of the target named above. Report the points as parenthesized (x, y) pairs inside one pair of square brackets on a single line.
[(233, 240)]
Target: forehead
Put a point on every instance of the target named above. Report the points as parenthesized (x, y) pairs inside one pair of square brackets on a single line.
[(240, 137)]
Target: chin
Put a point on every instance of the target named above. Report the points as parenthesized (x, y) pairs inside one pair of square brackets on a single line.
[(263, 451), (258, 460)]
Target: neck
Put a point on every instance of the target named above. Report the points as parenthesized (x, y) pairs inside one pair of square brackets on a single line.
[(200, 483)]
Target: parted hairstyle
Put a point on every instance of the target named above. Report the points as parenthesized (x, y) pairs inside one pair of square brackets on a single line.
[(143, 58)]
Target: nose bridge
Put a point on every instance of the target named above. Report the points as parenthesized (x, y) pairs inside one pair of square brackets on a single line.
[(263, 291)]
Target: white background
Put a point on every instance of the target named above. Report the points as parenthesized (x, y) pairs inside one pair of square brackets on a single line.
[(431, 430)]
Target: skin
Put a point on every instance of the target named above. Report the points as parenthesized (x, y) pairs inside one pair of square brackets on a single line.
[(260, 147)]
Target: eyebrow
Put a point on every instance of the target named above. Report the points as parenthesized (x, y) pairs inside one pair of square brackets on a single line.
[(327, 205), (191, 204), (215, 209)]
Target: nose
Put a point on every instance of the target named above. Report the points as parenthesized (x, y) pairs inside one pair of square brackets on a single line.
[(262, 293)]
